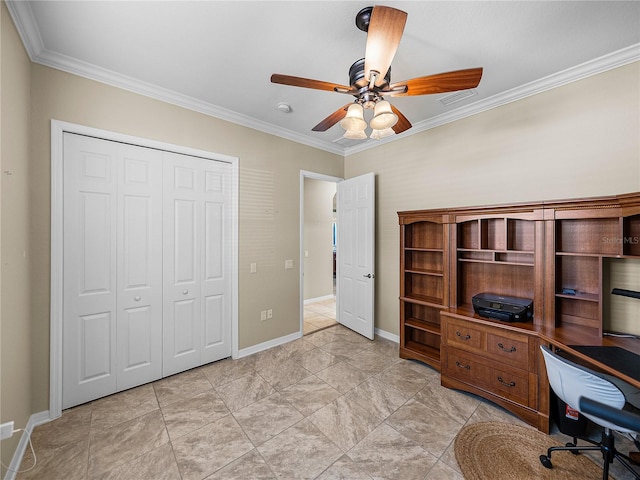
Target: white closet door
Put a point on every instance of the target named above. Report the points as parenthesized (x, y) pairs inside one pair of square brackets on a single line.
[(139, 267), (89, 223), (112, 332), (197, 304), (182, 252), (216, 275)]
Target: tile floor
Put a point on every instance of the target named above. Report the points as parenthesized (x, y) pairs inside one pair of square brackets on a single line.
[(319, 315), (331, 405)]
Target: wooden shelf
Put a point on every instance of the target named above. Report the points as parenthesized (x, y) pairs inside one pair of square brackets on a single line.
[(424, 350), (415, 249), (435, 273), (423, 300), (424, 326), (586, 297)]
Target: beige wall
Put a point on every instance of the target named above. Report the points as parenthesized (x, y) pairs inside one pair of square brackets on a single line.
[(269, 197), (15, 327), (578, 140), (318, 220)]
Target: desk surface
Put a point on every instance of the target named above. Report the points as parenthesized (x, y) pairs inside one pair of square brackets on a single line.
[(590, 351)]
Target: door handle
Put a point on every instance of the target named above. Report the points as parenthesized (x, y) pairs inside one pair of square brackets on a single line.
[(369, 275)]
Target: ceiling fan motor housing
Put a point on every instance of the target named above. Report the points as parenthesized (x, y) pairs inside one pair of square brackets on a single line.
[(357, 77), (363, 18)]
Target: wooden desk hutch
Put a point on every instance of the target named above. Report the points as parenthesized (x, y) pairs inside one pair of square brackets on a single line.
[(534, 250)]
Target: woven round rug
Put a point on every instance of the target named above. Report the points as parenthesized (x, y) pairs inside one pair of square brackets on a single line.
[(494, 450)]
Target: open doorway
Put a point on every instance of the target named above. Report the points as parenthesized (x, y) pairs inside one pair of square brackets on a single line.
[(318, 237)]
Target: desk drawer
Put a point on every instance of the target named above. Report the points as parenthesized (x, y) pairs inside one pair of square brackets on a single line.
[(503, 380), (509, 348), (464, 334)]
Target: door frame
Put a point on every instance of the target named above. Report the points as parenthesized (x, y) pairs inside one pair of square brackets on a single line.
[(58, 129), (327, 178)]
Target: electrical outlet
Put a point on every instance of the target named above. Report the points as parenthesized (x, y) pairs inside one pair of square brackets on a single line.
[(269, 314), (288, 264), (253, 268), (263, 315), (6, 430)]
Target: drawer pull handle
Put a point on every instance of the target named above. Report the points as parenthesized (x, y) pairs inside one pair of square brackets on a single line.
[(501, 347), (466, 367), (138, 298), (510, 384), (466, 337)]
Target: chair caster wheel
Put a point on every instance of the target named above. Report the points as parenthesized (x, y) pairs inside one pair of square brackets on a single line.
[(545, 461), (569, 444)]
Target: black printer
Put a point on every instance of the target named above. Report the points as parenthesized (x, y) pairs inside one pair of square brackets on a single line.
[(500, 307)]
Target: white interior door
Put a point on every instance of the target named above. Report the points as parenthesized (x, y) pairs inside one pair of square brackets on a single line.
[(182, 252), (355, 254), (197, 252), (112, 224), (216, 273), (139, 266)]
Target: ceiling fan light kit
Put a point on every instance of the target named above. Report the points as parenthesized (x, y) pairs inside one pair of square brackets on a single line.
[(384, 27)]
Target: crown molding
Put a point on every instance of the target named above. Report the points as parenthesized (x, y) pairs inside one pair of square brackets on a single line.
[(25, 24)]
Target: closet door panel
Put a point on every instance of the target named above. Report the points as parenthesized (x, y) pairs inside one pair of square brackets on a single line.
[(139, 267), (182, 247), (216, 286), (89, 280)]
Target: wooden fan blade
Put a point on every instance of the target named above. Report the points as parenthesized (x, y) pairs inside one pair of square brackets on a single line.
[(309, 83), (403, 123), (383, 37), (439, 83), (332, 119)]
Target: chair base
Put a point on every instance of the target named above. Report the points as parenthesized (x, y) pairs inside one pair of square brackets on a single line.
[(606, 446)]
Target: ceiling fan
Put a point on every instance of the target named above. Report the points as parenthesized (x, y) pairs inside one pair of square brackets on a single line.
[(370, 79)]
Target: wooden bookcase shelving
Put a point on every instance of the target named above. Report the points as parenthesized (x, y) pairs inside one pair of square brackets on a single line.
[(556, 253), (424, 284)]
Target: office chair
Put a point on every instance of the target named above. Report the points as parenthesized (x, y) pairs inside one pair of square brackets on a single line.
[(570, 382)]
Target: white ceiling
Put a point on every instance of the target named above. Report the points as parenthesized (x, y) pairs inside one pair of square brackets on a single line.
[(217, 57)]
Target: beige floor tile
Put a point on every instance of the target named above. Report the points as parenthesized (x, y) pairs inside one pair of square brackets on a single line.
[(244, 391), (228, 370), (210, 448), (158, 464), (345, 423), (377, 397), (442, 471), (123, 406), (344, 469), (315, 360), (181, 387), (425, 426), (370, 362), (185, 416), (301, 451), (342, 376), (456, 404), (74, 425), (249, 466), (266, 418), (403, 377), (284, 373), (69, 462), (117, 445), (386, 454), (310, 395), (341, 346)]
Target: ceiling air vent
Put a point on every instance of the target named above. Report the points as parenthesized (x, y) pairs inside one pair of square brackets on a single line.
[(346, 142), (457, 96)]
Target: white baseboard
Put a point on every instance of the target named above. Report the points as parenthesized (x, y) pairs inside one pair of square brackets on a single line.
[(270, 344), (389, 336), (34, 420), (318, 299)]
